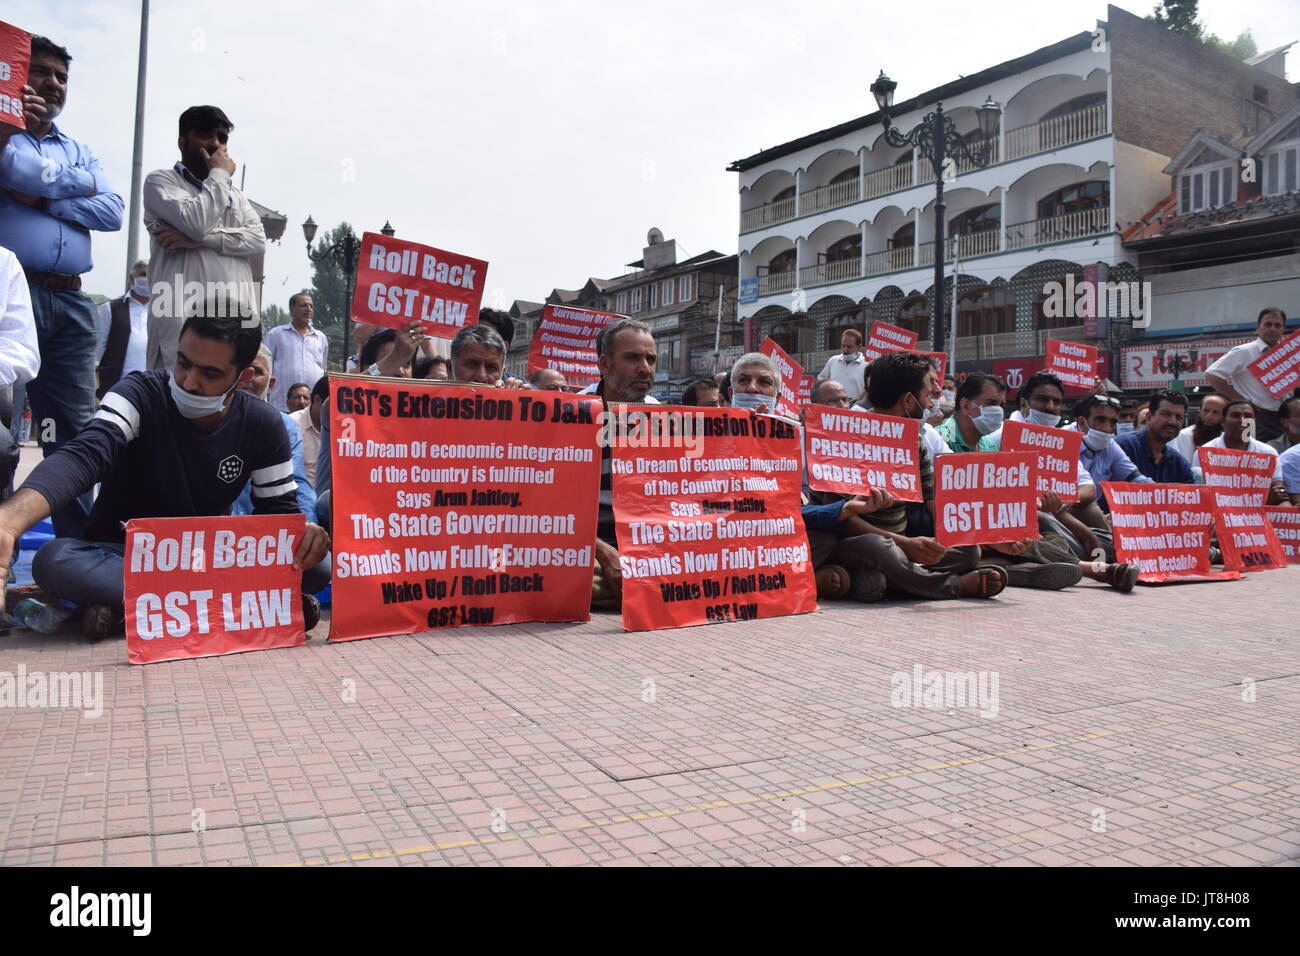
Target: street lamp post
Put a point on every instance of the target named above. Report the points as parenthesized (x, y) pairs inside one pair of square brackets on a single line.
[(935, 139), (344, 252)]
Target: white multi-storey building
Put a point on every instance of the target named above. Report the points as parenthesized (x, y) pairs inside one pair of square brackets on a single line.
[(837, 227)]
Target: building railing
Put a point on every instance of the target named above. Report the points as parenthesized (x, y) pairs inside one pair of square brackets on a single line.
[(1023, 141), (974, 348), (925, 170), (835, 271), (767, 214), (887, 180), (775, 282), (828, 197), (1072, 225), (890, 260), (1057, 132)]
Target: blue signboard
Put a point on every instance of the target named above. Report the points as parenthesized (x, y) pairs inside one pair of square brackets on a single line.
[(748, 290)]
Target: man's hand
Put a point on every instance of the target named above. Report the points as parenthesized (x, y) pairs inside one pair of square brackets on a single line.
[(1051, 503), (170, 238), (313, 547), (33, 107), (607, 559), (866, 504), (407, 341), (218, 159), (8, 548), (1011, 548), (922, 551)]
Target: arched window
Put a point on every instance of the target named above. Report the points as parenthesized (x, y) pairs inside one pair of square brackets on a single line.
[(904, 160), (1074, 105), (1076, 198), (850, 247), (787, 193), (1042, 321), (786, 335), (914, 316), (850, 318), (985, 311), (976, 220), (904, 237), (782, 262), (847, 176)]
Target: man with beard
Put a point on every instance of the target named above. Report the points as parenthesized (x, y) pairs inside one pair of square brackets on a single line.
[(1149, 447), (1209, 426), (53, 193), (1232, 376), (204, 231)]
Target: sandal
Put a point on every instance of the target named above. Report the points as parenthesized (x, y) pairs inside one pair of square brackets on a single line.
[(992, 581), (832, 581)]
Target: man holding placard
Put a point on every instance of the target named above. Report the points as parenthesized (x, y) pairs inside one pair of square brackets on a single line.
[(1238, 431), (162, 445), (1232, 376)]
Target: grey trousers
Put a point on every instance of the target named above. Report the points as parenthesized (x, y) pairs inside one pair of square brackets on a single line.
[(875, 552)]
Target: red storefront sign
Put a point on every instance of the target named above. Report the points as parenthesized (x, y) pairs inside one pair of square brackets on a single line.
[(1148, 367)]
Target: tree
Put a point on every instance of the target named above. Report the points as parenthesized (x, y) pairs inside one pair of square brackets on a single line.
[(1180, 16), (329, 289), (273, 315)]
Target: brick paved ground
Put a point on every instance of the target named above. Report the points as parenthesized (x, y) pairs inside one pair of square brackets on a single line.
[(1122, 738)]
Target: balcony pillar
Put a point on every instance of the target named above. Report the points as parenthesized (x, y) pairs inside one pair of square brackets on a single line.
[(862, 251), (798, 192), (1002, 221)]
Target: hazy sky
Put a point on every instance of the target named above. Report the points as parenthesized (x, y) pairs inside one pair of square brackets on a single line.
[(546, 138)]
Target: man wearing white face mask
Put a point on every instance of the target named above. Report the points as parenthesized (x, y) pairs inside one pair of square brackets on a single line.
[(162, 445), (1098, 418), (754, 383), (123, 331), (978, 413)]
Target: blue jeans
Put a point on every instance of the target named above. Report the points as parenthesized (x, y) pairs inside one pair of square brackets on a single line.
[(90, 572), (63, 394)]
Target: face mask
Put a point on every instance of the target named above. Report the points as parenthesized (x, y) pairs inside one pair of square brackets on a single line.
[(1125, 427), (988, 420), (921, 411), (1035, 417), (198, 406), (140, 286), (751, 400), (1096, 439)]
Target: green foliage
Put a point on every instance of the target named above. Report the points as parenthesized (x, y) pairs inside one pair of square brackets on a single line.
[(1180, 16), (273, 315), (330, 292)]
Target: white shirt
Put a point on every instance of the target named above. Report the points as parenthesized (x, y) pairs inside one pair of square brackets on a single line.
[(1255, 448), (934, 441), (848, 371), (20, 356), (310, 439), (219, 217), (1082, 475), (134, 359), (1232, 366), (295, 358), (591, 390)]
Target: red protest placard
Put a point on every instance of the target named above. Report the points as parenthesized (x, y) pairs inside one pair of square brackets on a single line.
[(567, 341), (1163, 529), (710, 531), (985, 498), (940, 361), (15, 58), (1286, 524), (806, 384), (398, 281), (198, 587), (1278, 369), (851, 452), (1057, 452), (1238, 482), (460, 506), (787, 399), (887, 338), (1074, 364)]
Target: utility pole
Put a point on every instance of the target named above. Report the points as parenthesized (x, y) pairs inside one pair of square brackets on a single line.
[(137, 157)]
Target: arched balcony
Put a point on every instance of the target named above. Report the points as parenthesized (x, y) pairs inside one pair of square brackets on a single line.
[(839, 256), (835, 180), (773, 262), (1055, 111), (768, 201), (1057, 203), (889, 169)]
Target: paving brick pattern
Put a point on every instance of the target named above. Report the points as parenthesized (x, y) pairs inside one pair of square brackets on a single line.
[(1124, 734)]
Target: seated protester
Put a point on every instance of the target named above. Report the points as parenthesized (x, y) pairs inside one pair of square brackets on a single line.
[(863, 404), (1149, 447), (901, 386), (833, 580), (703, 393), (549, 380), (627, 373), (723, 380), (379, 346), (1129, 412), (477, 357), (505, 327), (297, 397), (308, 422), (1209, 425), (162, 445), (978, 412), (430, 367), (1052, 562), (1289, 462), (754, 383), (1097, 416), (1238, 433), (1288, 414), (827, 391), (20, 357)]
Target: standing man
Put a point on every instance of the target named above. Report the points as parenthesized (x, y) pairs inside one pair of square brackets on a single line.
[(848, 367), (124, 331), (204, 233), (53, 192), (299, 351), (1288, 414), (1231, 373), (1149, 447)]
